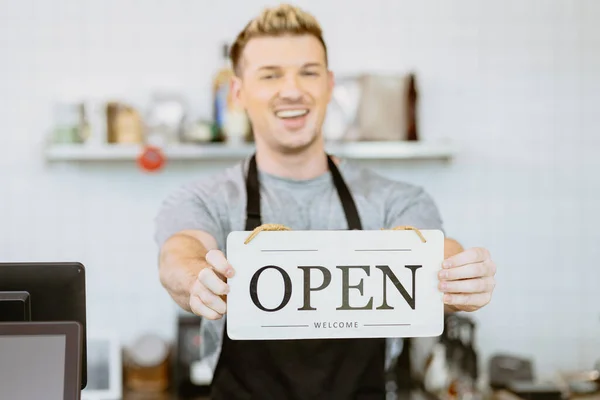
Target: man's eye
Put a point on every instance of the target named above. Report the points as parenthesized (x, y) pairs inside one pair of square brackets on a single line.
[(310, 73), (267, 77)]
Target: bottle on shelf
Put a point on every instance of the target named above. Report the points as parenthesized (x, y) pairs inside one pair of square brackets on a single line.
[(412, 131), (230, 120)]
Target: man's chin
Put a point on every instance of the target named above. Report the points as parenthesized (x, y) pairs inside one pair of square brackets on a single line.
[(298, 145), (289, 148)]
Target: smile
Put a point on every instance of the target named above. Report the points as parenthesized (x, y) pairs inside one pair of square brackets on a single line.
[(291, 113)]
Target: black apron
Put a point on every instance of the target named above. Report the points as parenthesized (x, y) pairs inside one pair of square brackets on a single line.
[(315, 369)]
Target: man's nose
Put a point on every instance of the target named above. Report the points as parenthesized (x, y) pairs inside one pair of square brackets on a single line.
[(291, 87)]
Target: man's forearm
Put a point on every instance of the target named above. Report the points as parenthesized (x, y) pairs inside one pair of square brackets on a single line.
[(181, 259)]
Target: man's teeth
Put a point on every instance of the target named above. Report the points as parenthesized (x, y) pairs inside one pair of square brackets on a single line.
[(291, 113)]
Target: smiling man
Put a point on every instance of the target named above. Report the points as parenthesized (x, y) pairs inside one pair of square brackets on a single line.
[(284, 84), (286, 101)]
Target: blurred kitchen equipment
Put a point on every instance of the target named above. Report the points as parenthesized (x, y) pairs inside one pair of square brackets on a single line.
[(460, 334), (382, 112), (165, 120), (84, 128), (198, 131), (451, 370), (187, 353), (534, 390), (71, 125), (437, 373), (583, 388), (580, 383), (505, 368), (459, 339), (412, 132), (146, 365), (123, 124), (340, 121), (373, 107), (231, 122), (379, 114), (592, 375)]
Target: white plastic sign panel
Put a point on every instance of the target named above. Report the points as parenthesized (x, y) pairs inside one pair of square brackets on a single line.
[(335, 284)]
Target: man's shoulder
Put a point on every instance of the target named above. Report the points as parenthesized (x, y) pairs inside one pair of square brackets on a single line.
[(402, 203), (369, 182), (228, 178)]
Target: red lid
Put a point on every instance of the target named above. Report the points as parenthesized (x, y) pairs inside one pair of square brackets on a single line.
[(151, 159)]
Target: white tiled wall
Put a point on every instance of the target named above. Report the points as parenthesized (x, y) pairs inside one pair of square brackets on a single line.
[(516, 83)]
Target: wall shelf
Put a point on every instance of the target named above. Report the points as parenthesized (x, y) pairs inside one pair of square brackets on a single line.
[(442, 150)]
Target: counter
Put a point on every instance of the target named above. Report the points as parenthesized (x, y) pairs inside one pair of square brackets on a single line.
[(167, 396)]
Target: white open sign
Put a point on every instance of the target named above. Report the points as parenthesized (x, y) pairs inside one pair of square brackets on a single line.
[(335, 284)]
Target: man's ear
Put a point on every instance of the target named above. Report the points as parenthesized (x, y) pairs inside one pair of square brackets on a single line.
[(236, 91), (330, 83)]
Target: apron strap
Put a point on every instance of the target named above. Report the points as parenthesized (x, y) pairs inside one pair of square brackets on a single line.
[(253, 216), (253, 219), (350, 210)]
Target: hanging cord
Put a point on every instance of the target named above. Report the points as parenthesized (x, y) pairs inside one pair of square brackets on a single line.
[(409, 228), (266, 227), (278, 227)]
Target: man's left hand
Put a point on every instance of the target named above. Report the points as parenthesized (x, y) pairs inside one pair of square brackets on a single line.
[(467, 280)]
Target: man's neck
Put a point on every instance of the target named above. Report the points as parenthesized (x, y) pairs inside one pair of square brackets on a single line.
[(307, 164)]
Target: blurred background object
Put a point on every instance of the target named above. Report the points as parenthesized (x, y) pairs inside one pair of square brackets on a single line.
[(124, 123), (382, 110), (230, 120), (147, 365), (165, 120), (373, 107)]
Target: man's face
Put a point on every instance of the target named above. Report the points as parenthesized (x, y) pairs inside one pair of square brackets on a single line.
[(285, 87)]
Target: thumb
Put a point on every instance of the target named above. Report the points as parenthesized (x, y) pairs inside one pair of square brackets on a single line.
[(217, 260)]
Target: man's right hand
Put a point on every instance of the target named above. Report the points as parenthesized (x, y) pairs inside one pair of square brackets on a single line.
[(208, 294)]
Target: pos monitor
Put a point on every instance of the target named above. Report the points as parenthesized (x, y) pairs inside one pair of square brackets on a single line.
[(45, 292), (40, 360)]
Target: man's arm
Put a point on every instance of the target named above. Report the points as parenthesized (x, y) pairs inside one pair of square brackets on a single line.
[(182, 257)]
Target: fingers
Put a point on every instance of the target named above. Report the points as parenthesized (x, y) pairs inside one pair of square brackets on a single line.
[(206, 292), (471, 301), (469, 271), (208, 277), (202, 310), (217, 259), (467, 279), (205, 295), (213, 302), (470, 256), (205, 303), (477, 285)]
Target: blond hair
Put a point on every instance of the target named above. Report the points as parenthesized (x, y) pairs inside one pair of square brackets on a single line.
[(281, 20)]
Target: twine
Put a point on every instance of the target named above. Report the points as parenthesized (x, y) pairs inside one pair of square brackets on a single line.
[(410, 228), (266, 227), (278, 227)]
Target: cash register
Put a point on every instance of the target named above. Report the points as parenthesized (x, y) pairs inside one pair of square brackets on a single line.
[(42, 331)]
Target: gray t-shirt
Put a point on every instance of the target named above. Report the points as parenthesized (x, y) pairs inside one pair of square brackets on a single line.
[(217, 205)]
